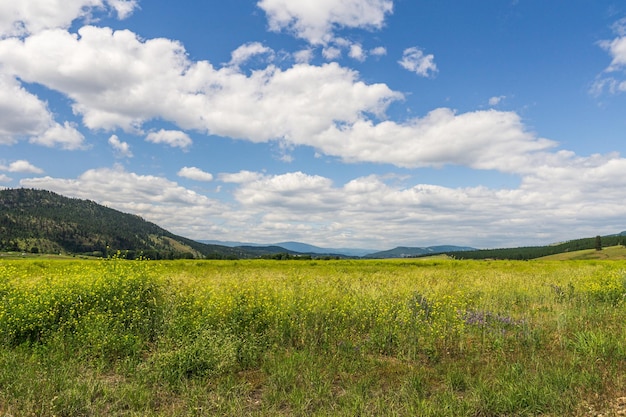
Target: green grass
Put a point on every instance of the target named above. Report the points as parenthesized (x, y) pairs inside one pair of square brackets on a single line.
[(607, 253), (270, 338)]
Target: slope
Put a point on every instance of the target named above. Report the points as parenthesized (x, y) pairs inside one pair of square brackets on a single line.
[(42, 221)]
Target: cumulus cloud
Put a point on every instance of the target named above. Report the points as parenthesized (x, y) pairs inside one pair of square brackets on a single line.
[(155, 198), (123, 8), (316, 21), (372, 211), (65, 136), (5, 178), (414, 60), (331, 53), (357, 52), (378, 51), (194, 173), (23, 17), (173, 138), (122, 149), (21, 166), (303, 56), (21, 113), (616, 48), (117, 80), (481, 139), (368, 209), (242, 54), (240, 177), (24, 115), (495, 100)]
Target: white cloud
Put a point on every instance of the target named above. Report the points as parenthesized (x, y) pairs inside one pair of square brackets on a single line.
[(331, 53), (21, 113), (23, 17), (316, 20), (610, 84), (112, 77), (617, 50), (156, 199), (240, 177), (119, 81), (24, 115), (124, 8), (414, 60), (173, 138), (303, 56), (194, 173), (481, 139), (373, 211), (242, 54), (369, 211), (379, 51), (495, 100), (21, 166), (122, 149), (357, 52), (65, 136), (4, 178)]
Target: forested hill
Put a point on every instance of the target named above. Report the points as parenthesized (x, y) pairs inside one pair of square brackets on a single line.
[(42, 221)]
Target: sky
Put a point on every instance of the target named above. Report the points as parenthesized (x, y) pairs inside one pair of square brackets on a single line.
[(338, 123)]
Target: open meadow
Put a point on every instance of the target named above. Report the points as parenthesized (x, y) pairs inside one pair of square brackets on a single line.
[(312, 338)]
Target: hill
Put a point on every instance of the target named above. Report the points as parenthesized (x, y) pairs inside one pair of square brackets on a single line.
[(40, 221), (611, 253), (534, 252)]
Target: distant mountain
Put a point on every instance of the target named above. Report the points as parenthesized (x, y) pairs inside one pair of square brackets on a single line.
[(296, 247), (42, 221), (305, 248), (408, 252)]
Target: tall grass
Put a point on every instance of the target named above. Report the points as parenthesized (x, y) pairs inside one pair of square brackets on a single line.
[(428, 338)]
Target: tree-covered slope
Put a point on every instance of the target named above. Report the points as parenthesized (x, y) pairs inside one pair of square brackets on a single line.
[(42, 221)]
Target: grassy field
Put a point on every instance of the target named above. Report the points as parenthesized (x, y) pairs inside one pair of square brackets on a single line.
[(611, 252), (312, 338)]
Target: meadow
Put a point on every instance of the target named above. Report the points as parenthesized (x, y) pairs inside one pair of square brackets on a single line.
[(312, 338)]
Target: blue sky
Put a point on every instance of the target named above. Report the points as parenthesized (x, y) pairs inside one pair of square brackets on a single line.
[(358, 123)]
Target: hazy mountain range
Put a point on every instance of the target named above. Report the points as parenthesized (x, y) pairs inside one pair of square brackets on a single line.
[(399, 252)]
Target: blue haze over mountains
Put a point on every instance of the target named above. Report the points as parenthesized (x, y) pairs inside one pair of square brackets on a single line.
[(300, 247)]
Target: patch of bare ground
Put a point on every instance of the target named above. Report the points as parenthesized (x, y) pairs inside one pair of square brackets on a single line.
[(617, 407)]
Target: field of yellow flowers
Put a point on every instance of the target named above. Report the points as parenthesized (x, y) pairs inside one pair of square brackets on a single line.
[(351, 337)]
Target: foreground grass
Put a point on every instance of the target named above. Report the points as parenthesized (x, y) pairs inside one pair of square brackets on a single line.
[(261, 338)]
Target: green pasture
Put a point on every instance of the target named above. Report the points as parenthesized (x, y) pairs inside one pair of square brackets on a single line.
[(429, 337)]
